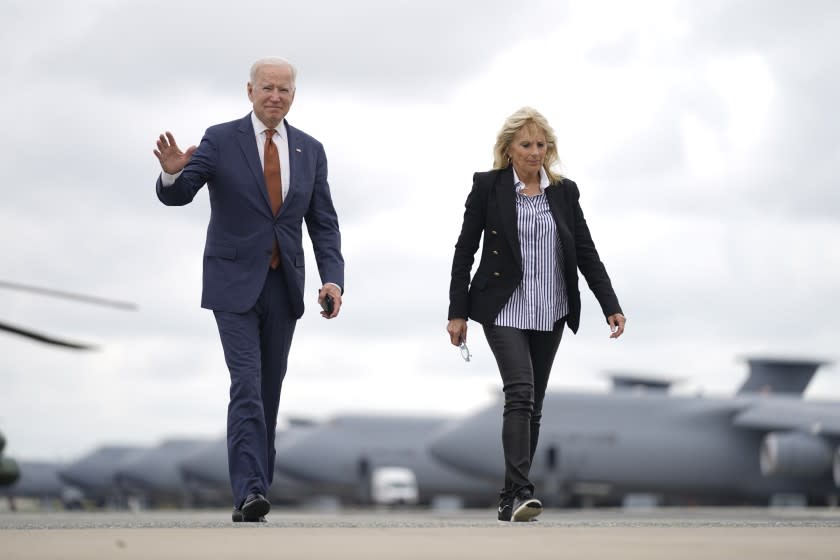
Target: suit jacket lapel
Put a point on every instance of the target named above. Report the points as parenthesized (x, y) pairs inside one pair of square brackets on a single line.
[(295, 153), (506, 199), (248, 144)]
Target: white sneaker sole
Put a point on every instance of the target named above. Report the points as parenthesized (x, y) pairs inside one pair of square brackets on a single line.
[(527, 511)]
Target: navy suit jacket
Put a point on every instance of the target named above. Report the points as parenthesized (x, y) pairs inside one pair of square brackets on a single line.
[(242, 228), (491, 211)]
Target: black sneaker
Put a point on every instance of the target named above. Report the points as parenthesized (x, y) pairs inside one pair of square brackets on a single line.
[(505, 508), (525, 507)]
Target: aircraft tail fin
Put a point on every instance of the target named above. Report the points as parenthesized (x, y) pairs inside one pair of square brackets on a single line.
[(779, 375)]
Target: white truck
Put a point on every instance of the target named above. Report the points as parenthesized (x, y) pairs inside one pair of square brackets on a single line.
[(393, 486)]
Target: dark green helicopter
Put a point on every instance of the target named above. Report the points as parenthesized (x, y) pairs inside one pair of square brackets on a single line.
[(9, 470)]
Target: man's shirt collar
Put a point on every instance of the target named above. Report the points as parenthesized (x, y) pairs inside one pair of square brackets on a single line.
[(260, 128)]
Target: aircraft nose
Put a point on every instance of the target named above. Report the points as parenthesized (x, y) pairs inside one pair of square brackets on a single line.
[(94, 472), (76, 476), (157, 469), (208, 464), (472, 444), (306, 458)]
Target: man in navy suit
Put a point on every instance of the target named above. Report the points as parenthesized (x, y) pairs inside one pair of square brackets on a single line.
[(264, 178)]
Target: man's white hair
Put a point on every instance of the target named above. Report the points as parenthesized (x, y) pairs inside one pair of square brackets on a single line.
[(272, 61)]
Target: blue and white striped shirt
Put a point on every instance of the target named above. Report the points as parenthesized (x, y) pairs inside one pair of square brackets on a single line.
[(540, 300)]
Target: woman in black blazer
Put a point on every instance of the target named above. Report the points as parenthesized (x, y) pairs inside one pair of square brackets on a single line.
[(525, 289)]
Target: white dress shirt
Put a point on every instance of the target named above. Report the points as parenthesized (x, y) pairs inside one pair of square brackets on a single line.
[(540, 300)]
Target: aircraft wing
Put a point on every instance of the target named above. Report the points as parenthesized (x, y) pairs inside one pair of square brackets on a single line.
[(813, 417)]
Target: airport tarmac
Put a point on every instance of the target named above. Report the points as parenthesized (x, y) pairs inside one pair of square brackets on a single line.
[(651, 534)]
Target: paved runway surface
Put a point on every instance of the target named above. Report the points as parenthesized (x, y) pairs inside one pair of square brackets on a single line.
[(689, 534)]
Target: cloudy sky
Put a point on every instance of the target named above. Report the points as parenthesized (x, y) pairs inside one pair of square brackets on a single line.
[(703, 136)]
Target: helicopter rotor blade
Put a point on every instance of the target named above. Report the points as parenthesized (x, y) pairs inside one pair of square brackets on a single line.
[(44, 338), (68, 295)]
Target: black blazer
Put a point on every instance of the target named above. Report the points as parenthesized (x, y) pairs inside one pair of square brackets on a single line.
[(491, 210)]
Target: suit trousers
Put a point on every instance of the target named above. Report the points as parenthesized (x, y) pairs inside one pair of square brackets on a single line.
[(524, 358), (256, 347)]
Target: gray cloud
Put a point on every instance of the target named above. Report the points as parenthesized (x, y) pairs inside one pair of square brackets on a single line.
[(800, 151), (790, 169), (405, 48)]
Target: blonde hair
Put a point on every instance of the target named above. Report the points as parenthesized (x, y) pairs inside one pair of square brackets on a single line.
[(524, 117)]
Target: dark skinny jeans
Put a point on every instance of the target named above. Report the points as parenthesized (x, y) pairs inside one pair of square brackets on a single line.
[(524, 358)]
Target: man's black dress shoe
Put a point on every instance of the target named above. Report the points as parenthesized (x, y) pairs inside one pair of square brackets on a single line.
[(255, 507), (238, 517)]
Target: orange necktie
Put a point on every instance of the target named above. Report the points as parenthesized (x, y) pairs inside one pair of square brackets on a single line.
[(274, 184)]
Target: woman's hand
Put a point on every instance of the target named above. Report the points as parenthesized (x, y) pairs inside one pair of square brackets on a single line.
[(457, 329), (616, 324)]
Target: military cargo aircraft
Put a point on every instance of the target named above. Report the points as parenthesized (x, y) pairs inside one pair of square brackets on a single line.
[(93, 473), (119, 475), (179, 472), (152, 477), (205, 472), (340, 457), (763, 442)]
